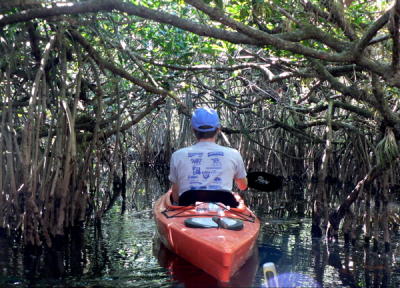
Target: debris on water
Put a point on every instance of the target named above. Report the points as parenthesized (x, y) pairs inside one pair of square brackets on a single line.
[(283, 222)]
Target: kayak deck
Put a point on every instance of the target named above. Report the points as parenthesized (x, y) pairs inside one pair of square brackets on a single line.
[(218, 251)]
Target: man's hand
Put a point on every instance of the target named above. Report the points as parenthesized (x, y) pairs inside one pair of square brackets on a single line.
[(241, 183)]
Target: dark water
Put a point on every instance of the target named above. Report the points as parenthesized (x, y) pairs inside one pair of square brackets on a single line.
[(124, 253)]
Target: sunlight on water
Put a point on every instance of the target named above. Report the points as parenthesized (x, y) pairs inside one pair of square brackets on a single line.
[(123, 253)]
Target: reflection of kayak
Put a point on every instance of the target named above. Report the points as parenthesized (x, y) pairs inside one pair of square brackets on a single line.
[(192, 277), (211, 236)]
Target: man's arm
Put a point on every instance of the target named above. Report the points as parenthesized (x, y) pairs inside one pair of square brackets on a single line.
[(241, 183), (175, 193)]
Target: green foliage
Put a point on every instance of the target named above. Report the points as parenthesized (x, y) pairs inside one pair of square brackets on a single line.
[(363, 12), (387, 149), (163, 56), (239, 10)]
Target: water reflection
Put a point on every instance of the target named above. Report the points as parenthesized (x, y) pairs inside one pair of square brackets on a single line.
[(295, 253), (184, 274), (292, 280), (121, 253)]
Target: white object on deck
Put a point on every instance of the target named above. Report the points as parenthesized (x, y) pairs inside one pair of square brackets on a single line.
[(270, 281)]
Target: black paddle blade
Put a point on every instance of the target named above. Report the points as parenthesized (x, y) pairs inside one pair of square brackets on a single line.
[(263, 181)]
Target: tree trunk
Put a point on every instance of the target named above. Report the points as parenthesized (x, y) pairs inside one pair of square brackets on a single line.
[(320, 202)]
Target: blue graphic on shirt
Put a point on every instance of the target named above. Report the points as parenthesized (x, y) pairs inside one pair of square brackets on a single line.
[(217, 180), (206, 174), (214, 172), (195, 183), (215, 187), (196, 171), (198, 187), (213, 154), (216, 163), (195, 154), (193, 177), (196, 161)]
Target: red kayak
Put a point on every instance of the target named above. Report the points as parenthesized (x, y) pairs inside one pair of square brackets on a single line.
[(213, 237), (191, 276)]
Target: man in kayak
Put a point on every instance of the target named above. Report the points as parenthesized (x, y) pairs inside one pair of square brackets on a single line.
[(206, 171)]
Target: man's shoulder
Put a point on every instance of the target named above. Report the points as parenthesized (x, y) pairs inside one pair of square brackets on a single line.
[(227, 152), (194, 148), (228, 149)]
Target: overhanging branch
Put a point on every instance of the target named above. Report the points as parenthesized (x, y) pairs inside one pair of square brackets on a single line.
[(131, 9), (122, 73), (267, 39)]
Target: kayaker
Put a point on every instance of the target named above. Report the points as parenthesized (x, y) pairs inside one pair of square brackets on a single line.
[(206, 171)]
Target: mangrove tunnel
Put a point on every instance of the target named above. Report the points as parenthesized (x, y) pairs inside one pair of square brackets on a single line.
[(94, 91)]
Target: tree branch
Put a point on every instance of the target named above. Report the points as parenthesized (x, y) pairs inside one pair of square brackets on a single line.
[(335, 125), (370, 33), (394, 31), (381, 105), (203, 67), (296, 131), (351, 91), (337, 215), (345, 106), (247, 34), (131, 9), (9, 4), (137, 119), (337, 17), (311, 73), (267, 39), (122, 73)]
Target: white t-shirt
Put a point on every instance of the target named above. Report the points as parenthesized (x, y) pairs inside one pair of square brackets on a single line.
[(206, 166)]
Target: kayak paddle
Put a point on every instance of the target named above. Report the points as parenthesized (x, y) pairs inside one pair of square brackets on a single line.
[(263, 181)]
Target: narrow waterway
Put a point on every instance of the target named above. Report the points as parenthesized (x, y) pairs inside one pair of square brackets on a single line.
[(123, 252)]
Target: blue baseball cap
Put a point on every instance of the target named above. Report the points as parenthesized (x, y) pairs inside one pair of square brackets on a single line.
[(205, 117)]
